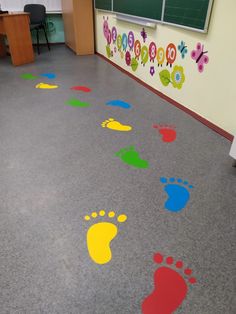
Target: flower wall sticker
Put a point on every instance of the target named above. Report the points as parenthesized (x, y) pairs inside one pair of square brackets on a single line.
[(152, 70), (135, 52), (176, 78)]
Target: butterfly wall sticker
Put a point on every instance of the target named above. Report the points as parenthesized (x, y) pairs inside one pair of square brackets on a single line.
[(199, 55), (182, 49)]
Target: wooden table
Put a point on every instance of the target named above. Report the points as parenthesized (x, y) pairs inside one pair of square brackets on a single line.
[(16, 27)]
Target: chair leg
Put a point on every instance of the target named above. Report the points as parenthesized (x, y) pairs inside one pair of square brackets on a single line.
[(38, 41), (45, 33)]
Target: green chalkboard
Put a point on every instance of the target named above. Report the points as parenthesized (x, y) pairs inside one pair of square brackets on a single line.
[(187, 13), (103, 4), (151, 9)]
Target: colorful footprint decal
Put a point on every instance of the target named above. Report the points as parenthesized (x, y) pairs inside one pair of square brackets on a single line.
[(168, 132), (28, 76), (81, 88), (46, 86), (119, 103), (131, 157), (115, 125), (77, 103), (100, 235), (178, 193), (49, 75), (170, 287)]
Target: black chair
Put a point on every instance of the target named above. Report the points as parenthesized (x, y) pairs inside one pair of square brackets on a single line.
[(37, 20)]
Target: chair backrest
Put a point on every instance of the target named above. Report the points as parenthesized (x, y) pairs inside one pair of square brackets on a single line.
[(37, 13)]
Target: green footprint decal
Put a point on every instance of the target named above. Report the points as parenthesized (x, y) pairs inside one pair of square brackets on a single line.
[(130, 156), (77, 103), (28, 76)]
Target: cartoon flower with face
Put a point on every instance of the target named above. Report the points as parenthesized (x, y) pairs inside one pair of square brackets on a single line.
[(178, 77)]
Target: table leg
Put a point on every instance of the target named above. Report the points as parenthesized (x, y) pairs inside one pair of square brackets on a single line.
[(3, 50)]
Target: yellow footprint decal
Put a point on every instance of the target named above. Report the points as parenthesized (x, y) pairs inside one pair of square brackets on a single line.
[(115, 125), (46, 86), (100, 235)]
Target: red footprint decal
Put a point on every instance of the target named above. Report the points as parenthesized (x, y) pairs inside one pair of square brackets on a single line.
[(170, 287), (81, 88), (168, 132)]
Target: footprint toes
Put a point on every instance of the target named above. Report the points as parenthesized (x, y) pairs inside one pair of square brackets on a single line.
[(122, 218), (169, 260), (179, 264), (163, 180), (102, 213), (192, 280), (94, 214), (158, 258)]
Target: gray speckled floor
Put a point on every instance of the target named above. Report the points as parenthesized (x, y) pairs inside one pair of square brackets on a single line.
[(58, 164)]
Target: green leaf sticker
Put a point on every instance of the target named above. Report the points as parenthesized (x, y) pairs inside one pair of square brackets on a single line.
[(134, 64), (108, 50), (165, 77)]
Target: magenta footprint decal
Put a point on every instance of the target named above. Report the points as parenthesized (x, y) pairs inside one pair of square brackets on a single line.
[(170, 287), (84, 89)]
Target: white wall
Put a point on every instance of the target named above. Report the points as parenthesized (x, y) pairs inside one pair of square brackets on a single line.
[(211, 94)]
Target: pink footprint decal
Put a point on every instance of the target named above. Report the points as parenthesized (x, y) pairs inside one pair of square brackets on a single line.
[(170, 287), (81, 88), (168, 132)]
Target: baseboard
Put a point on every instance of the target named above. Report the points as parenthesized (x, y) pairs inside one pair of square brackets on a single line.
[(193, 114)]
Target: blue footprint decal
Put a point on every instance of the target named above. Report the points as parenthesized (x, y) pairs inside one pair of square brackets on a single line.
[(178, 193), (119, 103), (49, 75)]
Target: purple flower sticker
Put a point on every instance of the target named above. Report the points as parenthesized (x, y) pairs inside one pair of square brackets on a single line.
[(152, 70)]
